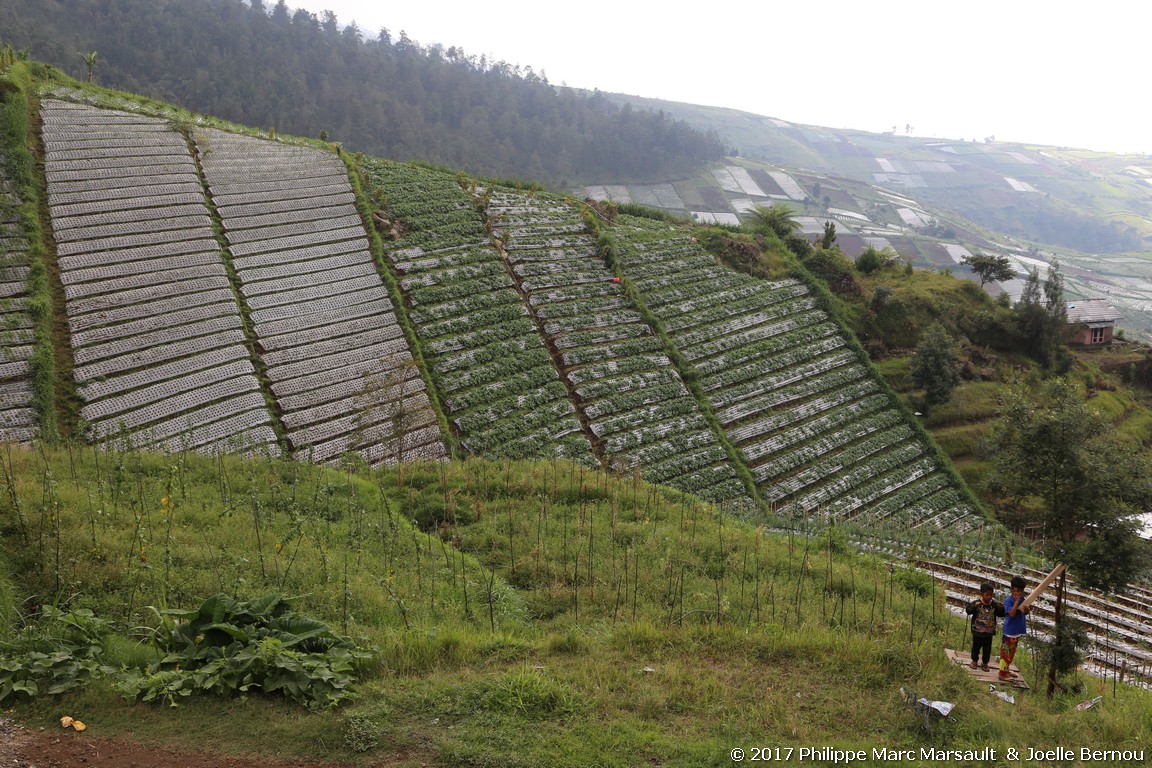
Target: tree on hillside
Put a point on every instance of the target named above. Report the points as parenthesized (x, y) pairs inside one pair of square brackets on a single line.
[(1062, 462), (89, 62), (779, 219), (990, 268), (934, 366), (829, 238), (1041, 316)]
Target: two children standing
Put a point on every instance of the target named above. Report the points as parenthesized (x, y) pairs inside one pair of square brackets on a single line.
[(984, 613)]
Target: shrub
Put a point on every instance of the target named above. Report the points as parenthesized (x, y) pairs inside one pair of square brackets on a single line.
[(61, 651), (871, 260), (228, 646), (834, 269)]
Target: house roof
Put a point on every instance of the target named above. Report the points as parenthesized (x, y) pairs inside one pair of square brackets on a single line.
[(1092, 311)]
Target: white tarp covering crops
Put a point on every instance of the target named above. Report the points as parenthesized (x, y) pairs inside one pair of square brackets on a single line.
[(789, 185), (908, 180), (898, 199), (666, 196), (1022, 158), (934, 167), (341, 385), (725, 179), (841, 212), (617, 193), (1028, 262), (644, 196), (708, 217), (913, 218), (596, 193), (814, 225), (957, 252), (17, 340), (745, 182), (1019, 186), (792, 397), (630, 395)]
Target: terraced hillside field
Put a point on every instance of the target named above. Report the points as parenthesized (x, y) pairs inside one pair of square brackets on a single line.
[(157, 338), (632, 398), (17, 419), (341, 371), (492, 366), (809, 419), (222, 292)]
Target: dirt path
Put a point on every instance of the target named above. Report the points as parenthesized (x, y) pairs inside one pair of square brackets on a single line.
[(24, 748)]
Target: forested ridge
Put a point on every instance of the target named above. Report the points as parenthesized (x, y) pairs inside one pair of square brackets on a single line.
[(377, 92)]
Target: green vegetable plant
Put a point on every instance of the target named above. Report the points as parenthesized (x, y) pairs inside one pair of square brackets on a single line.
[(228, 646), (58, 652)]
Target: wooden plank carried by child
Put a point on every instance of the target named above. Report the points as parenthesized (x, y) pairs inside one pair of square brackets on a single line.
[(1043, 585)]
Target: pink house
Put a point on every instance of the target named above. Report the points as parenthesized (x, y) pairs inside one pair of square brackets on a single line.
[(1091, 322)]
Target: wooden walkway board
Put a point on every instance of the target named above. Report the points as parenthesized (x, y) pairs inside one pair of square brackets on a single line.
[(964, 658)]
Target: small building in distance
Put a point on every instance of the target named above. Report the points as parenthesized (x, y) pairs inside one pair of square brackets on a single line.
[(1091, 322)]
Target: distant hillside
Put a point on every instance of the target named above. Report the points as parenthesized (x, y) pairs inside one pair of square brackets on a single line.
[(270, 67), (491, 321), (932, 200)]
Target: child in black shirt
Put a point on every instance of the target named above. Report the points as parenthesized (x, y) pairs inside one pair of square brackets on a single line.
[(984, 613)]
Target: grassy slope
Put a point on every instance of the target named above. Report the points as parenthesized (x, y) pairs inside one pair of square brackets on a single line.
[(588, 636)]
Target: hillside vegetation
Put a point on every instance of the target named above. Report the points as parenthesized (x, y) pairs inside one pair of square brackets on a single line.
[(516, 614)]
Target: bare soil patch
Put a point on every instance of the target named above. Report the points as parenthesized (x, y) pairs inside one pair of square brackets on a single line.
[(21, 747)]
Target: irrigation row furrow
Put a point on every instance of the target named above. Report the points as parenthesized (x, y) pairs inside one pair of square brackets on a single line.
[(343, 253), (114, 182), (238, 425), (153, 308), (159, 253), (180, 368), (143, 198), (207, 274), (286, 248), (125, 347), (373, 377), (119, 270), (319, 209), (113, 243)]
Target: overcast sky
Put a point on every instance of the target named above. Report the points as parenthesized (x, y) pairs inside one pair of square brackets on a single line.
[(1064, 74)]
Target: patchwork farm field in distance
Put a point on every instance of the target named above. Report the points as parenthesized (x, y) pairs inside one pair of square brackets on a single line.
[(931, 200)]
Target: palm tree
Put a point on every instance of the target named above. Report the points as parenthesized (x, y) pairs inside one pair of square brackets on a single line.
[(89, 62), (779, 219)]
